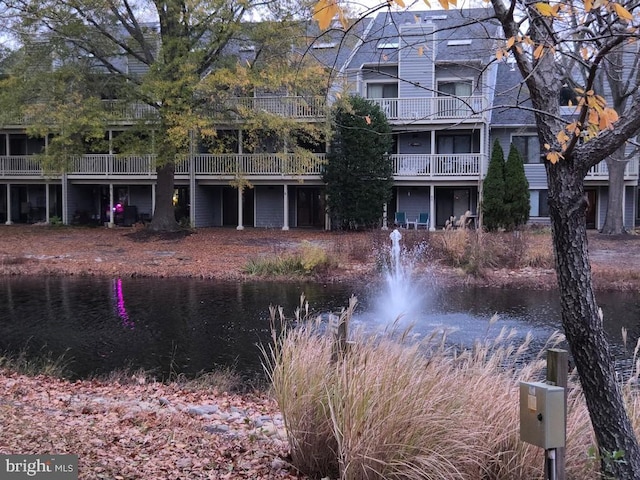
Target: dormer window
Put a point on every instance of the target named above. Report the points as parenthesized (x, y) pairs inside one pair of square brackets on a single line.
[(458, 43), (388, 44), (323, 45)]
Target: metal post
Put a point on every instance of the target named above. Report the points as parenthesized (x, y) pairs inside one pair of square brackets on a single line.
[(558, 374)]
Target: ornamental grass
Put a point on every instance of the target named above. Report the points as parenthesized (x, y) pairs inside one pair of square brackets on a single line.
[(392, 406)]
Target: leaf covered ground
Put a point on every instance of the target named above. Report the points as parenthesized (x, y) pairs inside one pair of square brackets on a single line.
[(142, 430)]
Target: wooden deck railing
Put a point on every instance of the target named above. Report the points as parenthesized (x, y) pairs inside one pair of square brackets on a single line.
[(438, 165)]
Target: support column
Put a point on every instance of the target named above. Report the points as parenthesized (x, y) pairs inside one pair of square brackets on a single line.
[(240, 226), (65, 200), (47, 202), (385, 225), (8, 222), (624, 202), (285, 198), (432, 208), (111, 222), (153, 200), (192, 179)]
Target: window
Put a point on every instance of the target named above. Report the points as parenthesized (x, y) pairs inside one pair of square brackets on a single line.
[(458, 43), (388, 43), (528, 146), (455, 88), (382, 90), (539, 203)]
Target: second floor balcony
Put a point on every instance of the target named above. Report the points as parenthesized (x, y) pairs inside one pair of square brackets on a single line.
[(434, 109), (465, 166)]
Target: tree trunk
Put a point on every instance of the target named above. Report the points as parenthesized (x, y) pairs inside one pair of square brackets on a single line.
[(614, 221), (164, 217), (583, 325)]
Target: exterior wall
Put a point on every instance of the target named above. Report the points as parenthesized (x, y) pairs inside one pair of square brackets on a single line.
[(269, 212), (413, 201), (459, 72), (629, 207), (140, 196), (207, 206), (383, 74), (416, 66), (418, 142)]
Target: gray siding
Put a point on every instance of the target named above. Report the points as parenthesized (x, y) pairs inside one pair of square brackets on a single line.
[(207, 206), (269, 206), (629, 207), (536, 175), (460, 72), (141, 197), (413, 201), (416, 64), (418, 142)]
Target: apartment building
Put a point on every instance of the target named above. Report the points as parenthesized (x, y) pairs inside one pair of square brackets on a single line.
[(432, 73)]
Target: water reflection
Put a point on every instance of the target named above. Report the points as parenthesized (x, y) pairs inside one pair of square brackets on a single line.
[(120, 306), (186, 326)]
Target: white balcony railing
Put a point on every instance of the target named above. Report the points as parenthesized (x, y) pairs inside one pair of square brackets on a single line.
[(466, 165), (433, 108), (20, 166), (600, 171), (258, 164), (438, 165), (284, 106), (105, 165)]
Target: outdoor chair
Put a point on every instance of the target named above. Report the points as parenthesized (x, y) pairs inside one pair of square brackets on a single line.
[(422, 221), (401, 220)]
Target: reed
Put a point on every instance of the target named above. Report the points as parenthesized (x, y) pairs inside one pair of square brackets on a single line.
[(394, 407)]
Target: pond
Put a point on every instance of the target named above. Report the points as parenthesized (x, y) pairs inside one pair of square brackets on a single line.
[(170, 326)]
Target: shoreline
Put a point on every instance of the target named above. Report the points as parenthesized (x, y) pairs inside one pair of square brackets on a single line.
[(220, 254)]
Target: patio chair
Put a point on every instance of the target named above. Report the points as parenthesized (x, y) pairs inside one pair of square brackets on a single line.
[(423, 220), (401, 220)]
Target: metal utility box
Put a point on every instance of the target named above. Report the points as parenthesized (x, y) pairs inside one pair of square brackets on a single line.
[(542, 415)]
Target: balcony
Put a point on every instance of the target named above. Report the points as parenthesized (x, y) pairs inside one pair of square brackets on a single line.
[(467, 165), (308, 108), (430, 109), (104, 166), (601, 172)]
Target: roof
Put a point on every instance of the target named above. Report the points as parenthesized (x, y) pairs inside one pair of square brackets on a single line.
[(465, 35), (510, 94)]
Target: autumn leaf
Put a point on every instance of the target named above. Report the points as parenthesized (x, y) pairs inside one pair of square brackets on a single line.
[(546, 10), (537, 53), (622, 12), (367, 119), (324, 11)]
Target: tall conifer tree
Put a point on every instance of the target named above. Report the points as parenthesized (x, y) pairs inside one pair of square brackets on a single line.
[(493, 207)]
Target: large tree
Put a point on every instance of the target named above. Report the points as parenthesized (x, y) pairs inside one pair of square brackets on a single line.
[(358, 174), (540, 36), (162, 54)]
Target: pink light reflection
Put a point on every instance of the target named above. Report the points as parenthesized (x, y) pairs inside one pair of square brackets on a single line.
[(120, 306)]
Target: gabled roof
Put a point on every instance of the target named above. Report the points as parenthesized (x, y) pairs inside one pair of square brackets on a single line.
[(462, 36), (510, 93)]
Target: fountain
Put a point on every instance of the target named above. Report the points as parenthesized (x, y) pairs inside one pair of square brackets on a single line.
[(403, 297)]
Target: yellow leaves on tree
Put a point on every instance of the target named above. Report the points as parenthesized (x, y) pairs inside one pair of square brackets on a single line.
[(599, 117)]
